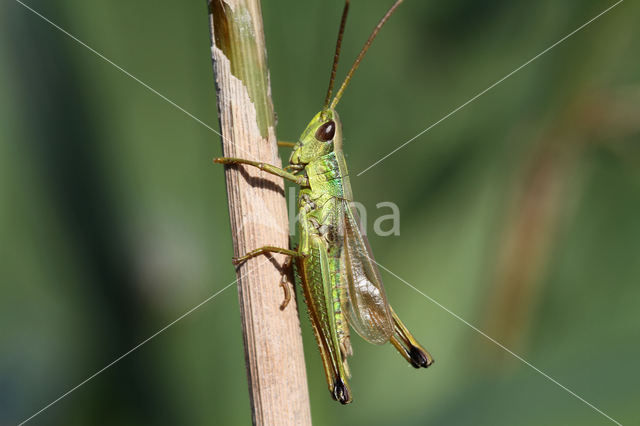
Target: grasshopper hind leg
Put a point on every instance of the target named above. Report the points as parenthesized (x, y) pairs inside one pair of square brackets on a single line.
[(408, 346), (341, 392)]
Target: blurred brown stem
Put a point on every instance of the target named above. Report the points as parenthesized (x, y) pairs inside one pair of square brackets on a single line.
[(272, 340)]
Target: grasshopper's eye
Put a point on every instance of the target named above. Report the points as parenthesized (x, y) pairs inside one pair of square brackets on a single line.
[(326, 132)]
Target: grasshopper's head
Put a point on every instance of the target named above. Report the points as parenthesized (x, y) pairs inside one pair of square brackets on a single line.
[(322, 136), (324, 133)]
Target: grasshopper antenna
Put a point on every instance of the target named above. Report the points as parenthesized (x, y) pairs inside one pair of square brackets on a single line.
[(336, 57), (366, 47)]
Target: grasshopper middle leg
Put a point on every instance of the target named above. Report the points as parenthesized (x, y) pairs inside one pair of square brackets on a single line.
[(285, 266), (263, 250)]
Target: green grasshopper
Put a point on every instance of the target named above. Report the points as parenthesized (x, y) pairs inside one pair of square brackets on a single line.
[(340, 280)]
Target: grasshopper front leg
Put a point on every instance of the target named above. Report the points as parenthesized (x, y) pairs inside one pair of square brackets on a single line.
[(287, 144), (300, 180)]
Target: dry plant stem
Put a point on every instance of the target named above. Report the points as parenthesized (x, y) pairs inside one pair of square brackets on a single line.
[(273, 344)]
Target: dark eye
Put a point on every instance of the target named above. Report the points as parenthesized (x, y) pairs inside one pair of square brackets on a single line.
[(326, 132)]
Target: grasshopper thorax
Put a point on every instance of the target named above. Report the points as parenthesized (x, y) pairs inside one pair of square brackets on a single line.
[(322, 136)]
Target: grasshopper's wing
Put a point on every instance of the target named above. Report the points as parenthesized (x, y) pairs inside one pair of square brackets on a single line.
[(367, 309)]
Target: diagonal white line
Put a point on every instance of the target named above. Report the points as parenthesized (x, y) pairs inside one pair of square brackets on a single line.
[(365, 170), (490, 87), (127, 73), (115, 361), (491, 339), (101, 56)]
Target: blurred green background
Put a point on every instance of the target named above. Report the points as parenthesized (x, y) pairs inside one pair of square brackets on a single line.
[(519, 213)]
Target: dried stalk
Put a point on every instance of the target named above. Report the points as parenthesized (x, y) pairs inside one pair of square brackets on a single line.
[(273, 345)]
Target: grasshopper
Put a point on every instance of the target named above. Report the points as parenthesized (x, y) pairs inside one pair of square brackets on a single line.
[(340, 280)]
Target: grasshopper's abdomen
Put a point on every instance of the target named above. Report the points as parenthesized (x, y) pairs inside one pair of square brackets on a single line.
[(320, 217), (319, 224)]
